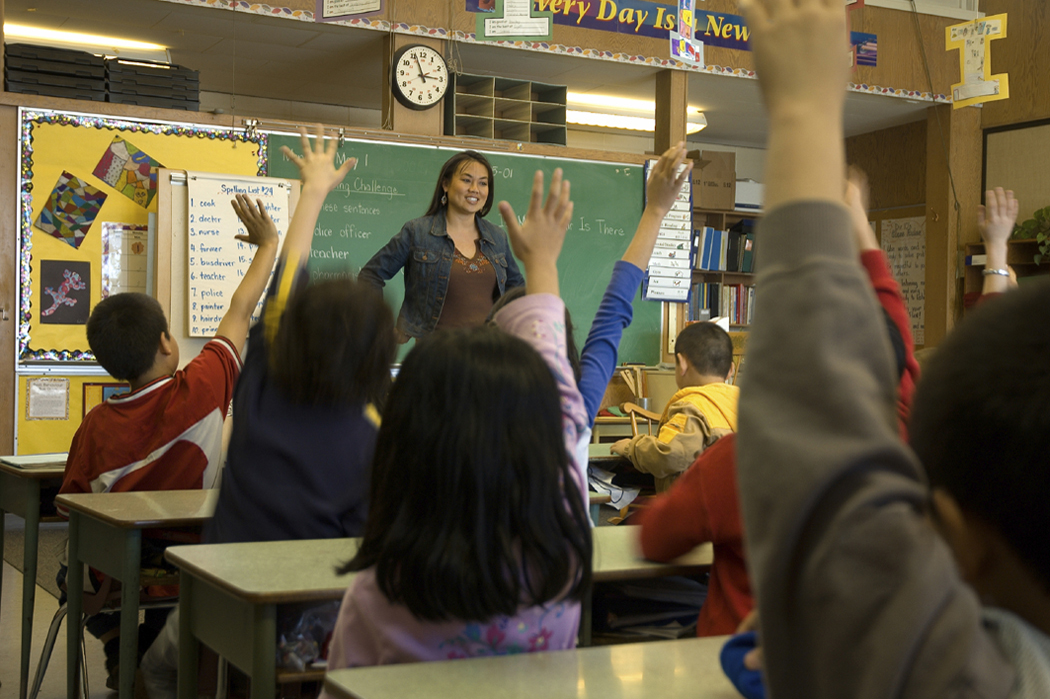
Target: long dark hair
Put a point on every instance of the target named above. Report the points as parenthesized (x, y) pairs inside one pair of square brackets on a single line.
[(449, 170), (334, 345), (473, 509)]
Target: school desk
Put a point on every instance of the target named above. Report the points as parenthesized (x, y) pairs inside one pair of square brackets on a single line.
[(105, 532), (20, 495), (229, 594), (686, 668), (610, 428)]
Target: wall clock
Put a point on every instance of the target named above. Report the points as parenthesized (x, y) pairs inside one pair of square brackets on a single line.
[(419, 76)]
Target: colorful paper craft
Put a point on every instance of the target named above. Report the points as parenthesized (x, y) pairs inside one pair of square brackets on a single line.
[(70, 210), (129, 170)]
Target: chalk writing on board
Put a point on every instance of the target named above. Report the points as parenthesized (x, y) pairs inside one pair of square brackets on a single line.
[(904, 241), (216, 260)]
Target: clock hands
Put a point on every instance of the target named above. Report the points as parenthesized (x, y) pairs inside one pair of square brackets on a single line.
[(420, 66)]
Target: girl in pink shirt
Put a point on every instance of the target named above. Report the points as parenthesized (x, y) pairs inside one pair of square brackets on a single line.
[(478, 539)]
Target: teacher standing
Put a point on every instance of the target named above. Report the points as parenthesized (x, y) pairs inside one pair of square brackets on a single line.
[(456, 263)]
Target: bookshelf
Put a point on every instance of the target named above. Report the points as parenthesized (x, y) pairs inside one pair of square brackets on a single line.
[(736, 288), (1020, 254)]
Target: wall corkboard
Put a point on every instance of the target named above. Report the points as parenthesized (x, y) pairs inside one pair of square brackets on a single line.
[(1015, 158)]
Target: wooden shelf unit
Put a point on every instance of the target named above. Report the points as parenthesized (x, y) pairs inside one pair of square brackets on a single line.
[(722, 220), (501, 108)]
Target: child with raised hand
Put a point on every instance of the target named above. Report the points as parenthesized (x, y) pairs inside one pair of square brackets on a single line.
[(479, 543), (304, 428), (858, 595), (166, 434)]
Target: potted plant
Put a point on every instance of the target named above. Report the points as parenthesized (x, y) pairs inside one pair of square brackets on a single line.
[(1037, 227)]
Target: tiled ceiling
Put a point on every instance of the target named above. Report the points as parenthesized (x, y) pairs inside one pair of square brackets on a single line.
[(259, 56)]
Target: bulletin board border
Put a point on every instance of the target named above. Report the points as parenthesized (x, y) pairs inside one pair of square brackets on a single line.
[(29, 119)]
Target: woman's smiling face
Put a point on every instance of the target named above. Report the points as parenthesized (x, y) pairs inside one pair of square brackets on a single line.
[(468, 190)]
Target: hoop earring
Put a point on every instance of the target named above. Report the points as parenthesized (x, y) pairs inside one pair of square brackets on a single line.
[(444, 199)]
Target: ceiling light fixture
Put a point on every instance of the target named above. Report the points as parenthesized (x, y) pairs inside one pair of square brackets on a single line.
[(607, 111), (94, 43)]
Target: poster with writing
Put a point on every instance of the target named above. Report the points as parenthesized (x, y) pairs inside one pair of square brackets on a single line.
[(216, 261), (125, 258), (333, 10), (904, 242), (669, 274)]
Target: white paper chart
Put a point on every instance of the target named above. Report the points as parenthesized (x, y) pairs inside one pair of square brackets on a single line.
[(670, 272), (217, 261)]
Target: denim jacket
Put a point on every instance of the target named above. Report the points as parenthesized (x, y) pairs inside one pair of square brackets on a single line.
[(424, 250)]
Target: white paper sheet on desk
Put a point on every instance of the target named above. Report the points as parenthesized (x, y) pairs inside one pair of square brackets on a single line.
[(601, 481)]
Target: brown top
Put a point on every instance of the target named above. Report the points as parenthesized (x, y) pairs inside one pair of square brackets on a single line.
[(470, 293)]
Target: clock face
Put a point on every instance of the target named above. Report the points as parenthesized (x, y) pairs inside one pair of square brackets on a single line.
[(420, 77)]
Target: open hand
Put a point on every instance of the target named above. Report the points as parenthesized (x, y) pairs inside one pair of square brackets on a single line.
[(261, 228), (800, 49), (665, 181), (857, 201), (537, 242), (997, 217), (316, 166)]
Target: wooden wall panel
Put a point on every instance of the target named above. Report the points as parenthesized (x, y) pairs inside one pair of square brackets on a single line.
[(8, 274), (1025, 56), (953, 156), (895, 161)]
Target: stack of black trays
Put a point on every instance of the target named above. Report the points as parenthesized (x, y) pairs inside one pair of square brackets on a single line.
[(152, 84), (43, 70)]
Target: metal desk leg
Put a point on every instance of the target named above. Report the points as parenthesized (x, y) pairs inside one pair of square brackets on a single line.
[(29, 555), (586, 618), (74, 604), (189, 646), (264, 660), (129, 612)]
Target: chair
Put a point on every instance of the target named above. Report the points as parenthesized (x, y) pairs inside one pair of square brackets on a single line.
[(105, 601), (635, 411)]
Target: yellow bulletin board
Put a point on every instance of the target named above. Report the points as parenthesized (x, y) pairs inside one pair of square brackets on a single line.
[(42, 436), (80, 171)]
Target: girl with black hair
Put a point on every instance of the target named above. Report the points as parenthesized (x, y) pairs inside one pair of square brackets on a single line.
[(477, 541), (456, 263)]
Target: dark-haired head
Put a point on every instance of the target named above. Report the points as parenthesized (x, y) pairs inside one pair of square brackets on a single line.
[(449, 170), (473, 510), (334, 345), (570, 339), (980, 421), (124, 332), (708, 348)]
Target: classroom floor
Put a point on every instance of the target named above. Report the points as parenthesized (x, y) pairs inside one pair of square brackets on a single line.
[(54, 686)]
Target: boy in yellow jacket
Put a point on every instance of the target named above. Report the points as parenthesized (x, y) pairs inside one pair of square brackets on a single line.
[(703, 409)]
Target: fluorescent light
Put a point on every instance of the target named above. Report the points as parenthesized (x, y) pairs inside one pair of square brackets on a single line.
[(622, 121), (107, 45), (611, 112)]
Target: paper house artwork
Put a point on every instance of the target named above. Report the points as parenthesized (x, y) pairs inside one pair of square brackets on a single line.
[(129, 170), (65, 296), (70, 210)]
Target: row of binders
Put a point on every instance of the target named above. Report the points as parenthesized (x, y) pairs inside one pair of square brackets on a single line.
[(725, 251), (709, 300)]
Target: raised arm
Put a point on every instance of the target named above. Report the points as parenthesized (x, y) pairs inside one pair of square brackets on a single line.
[(996, 220), (598, 358), (319, 176), (858, 597), (539, 317), (262, 233)]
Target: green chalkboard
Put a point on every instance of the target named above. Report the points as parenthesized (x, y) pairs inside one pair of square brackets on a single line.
[(393, 183)]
